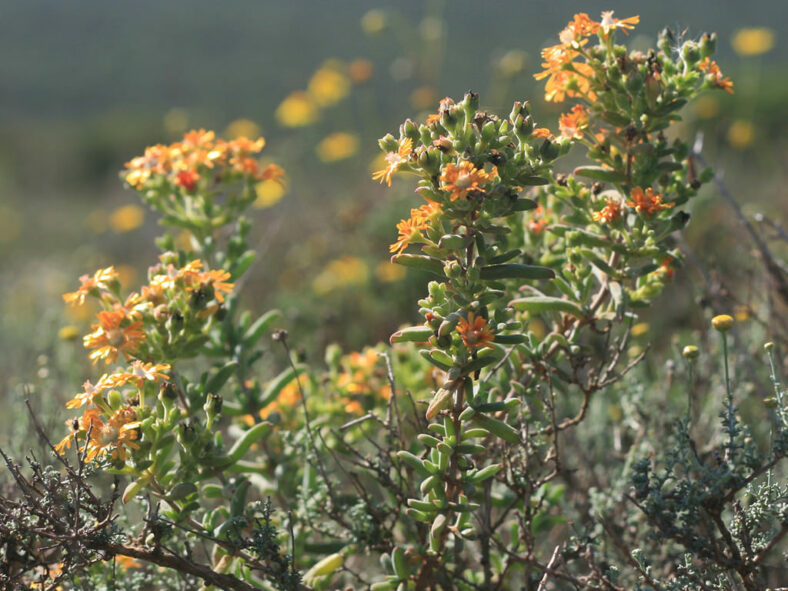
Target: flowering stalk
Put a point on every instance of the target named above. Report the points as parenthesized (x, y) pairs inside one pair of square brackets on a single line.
[(533, 264)]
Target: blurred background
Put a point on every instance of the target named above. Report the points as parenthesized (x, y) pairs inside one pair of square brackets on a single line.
[(86, 85)]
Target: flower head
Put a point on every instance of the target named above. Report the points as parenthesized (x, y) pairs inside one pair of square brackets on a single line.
[(713, 71), (648, 202), (410, 229), (573, 123), (115, 333), (100, 281), (394, 160), (610, 24), (610, 212), (459, 180), (475, 332)]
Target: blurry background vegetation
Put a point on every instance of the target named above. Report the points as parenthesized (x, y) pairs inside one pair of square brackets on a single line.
[(86, 85)]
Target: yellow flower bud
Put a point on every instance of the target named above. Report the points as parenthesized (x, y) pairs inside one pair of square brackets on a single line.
[(722, 323), (690, 352)]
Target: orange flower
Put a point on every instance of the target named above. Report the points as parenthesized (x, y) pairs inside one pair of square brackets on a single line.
[(542, 132), (648, 202), (98, 282), (126, 561), (116, 433), (539, 220), (115, 333), (610, 212), (187, 179), (410, 229), (217, 278), (475, 332), (89, 391), (394, 161), (89, 421), (139, 374), (181, 162), (573, 123), (459, 180), (666, 268), (712, 69), (610, 24), (579, 27)]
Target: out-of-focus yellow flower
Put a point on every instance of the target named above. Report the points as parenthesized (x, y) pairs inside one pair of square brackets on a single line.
[(360, 70), (127, 218), (127, 275), (423, 97), (183, 241), (68, 333), (297, 110), (373, 22), (337, 146), (742, 313), (741, 134), (176, 122), (722, 323), (10, 224), (640, 329), (268, 193), (242, 128), (753, 41), (96, 221), (706, 107), (512, 63), (388, 272), (342, 272), (328, 85)]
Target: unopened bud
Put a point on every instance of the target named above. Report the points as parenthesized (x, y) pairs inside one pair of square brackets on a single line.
[(722, 323)]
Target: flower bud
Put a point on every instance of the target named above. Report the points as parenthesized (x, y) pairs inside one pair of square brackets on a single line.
[(115, 399), (690, 352), (410, 130), (722, 323), (708, 44), (768, 346)]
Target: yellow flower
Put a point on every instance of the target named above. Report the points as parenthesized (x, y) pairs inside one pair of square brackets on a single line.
[(513, 63), (722, 323), (388, 272), (707, 107), (127, 218), (342, 272), (70, 332), (639, 329), (753, 41), (269, 193), (242, 128), (741, 134), (423, 97), (297, 110), (176, 122), (328, 86), (337, 146), (373, 22)]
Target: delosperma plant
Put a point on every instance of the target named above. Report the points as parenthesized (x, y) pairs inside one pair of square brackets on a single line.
[(452, 458)]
